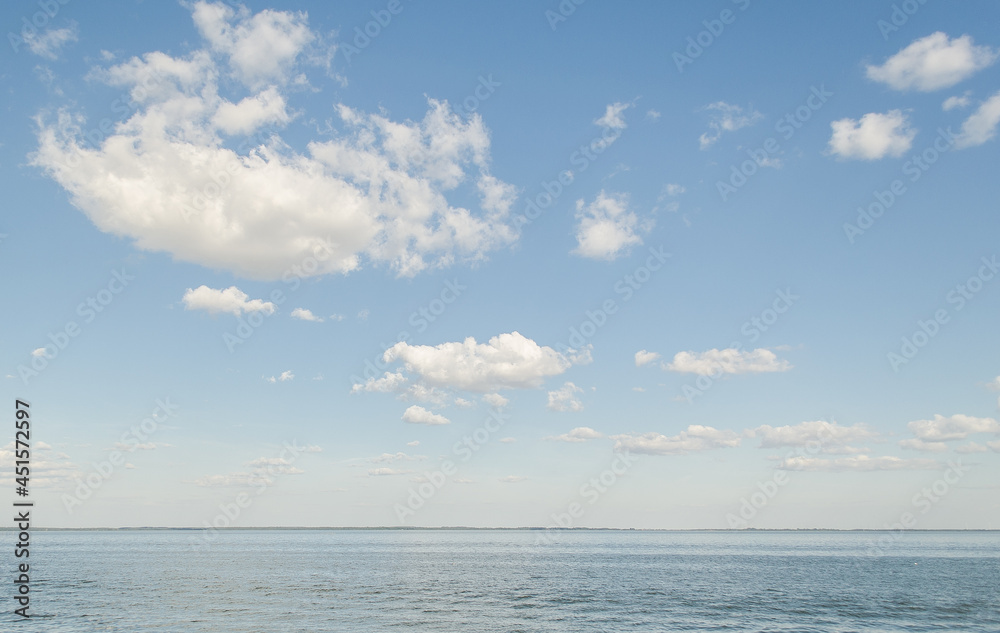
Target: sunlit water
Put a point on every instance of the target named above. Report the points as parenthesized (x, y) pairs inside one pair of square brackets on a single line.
[(486, 580)]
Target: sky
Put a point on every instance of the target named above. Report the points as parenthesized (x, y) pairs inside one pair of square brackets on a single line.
[(664, 265)]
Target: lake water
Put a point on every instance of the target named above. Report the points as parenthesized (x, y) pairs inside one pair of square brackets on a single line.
[(497, 580)]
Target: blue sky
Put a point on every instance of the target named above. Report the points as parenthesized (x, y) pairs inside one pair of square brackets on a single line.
[(737, 259)]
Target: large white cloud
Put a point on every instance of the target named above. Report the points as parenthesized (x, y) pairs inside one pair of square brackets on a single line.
[(231, 300), (981, 126), (727, 361), (169, 178), (605, 228), (507, 361), (874, 136), (933, 62), (695, 438)]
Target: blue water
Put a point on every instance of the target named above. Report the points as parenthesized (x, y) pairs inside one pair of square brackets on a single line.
[(472, 580)]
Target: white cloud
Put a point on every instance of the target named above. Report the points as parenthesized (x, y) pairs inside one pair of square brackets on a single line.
[(265, 108), (981, 126), (166, 179), (673, 189), (956, 101), (727, 361), (994, 385), (507, 361), (38, 352), (390, 382), (49, 467), (47, 44), (508, 440), (385, 471), (605, 228), (579, 434), (994, 445), (874, 136), (916, 444), (284, 377), (828, 437), (416, 414), (933, 62), (231, 300), (495, 400), (857, 463), (395, 457), (261, 48), (564, 399), (512, 479), (653, 115), (306, 315), (727, 118), (613, 117), (413, 443), (971, 447), (462, 402), (261, 470), (642, 357), (695, 438), (956, 427)]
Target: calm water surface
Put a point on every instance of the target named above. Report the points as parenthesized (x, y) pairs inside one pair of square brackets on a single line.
[(472, 580)]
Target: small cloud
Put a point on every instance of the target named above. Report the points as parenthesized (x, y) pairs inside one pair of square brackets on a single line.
[(416, 414), (981, 126), (462, 402), (413, 443), (579, 434), (336, 317), (284, 377), (959, 102), (638, 389), (642, 357), (671, 189), (305, 315), (872, 137), (363, 314), (862, 463), (512, 479), (932, 63), (694, 439), (508, 440), (613, 116), (727, 118), (653, 115), (38, 353), (727, 361), (231, 300), (971, 447), (495, 400), (564, 399), (47, 44), (387, 472), (606, 229), (395, 457)]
